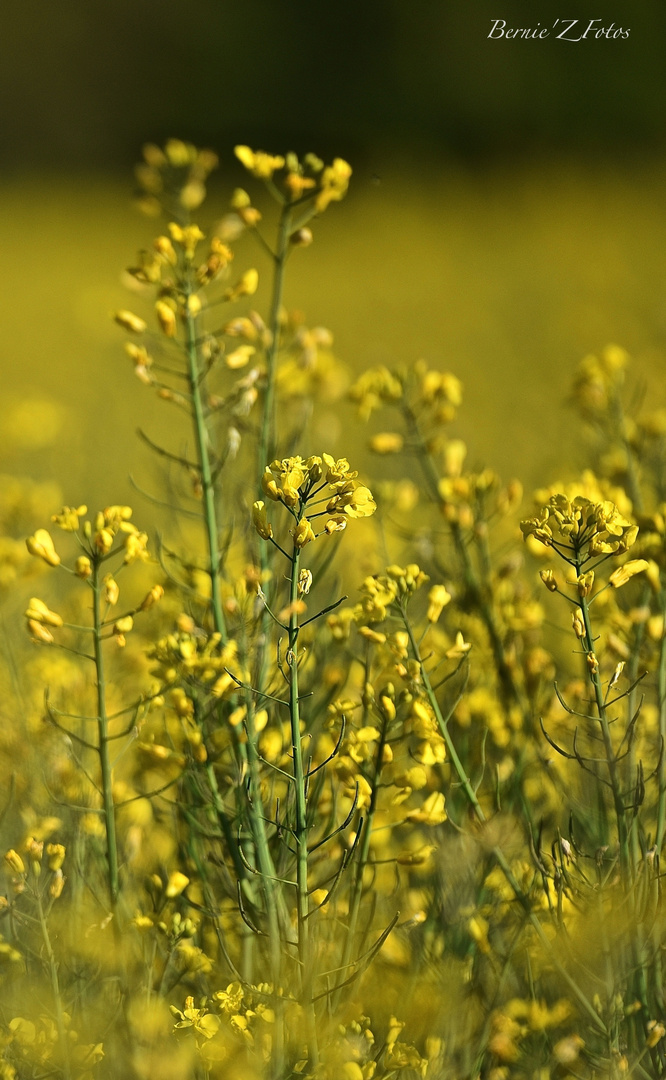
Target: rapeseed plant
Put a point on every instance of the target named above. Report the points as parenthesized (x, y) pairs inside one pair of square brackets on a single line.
[(298, 803)]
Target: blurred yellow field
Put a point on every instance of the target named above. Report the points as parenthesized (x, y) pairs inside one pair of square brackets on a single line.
[(330, 747)]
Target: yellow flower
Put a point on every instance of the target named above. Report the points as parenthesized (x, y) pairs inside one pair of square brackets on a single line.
[(165, 248), (549, 580), (458, 650), (623, 574), (176, 884), (438, 598), (103, 541), (239, 357), (83, 567), (374, 388), (246, 286), (304, 582), (257, 162), (387, 442), (15, 862), (40, 633), (41, 545), (111, 590), (56, 855), (37, 611), (68, 518), (260, 520), (303, 533), (129, 321), (166, 317), (432, 812), (334, 183), (136, 547), (187, 236)]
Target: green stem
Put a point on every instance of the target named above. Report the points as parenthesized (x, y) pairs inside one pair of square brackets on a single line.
[(301, 825), (357, 885), (267, 438), (203, 452), (55, 985), (611, 758), (103, 738)]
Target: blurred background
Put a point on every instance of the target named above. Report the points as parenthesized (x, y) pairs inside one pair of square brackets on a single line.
[(506, 213)]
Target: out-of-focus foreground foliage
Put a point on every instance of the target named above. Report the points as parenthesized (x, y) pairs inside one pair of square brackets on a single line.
[(278, 800)]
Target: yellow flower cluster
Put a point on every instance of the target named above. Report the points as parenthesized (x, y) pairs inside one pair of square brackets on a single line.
[(381, 591), (297, 481), (598, 379), (375, 387), (328, 184), (581, 527), (176, 173)]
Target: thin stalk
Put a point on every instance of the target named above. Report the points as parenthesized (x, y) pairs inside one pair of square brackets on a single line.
[(267, 447), (271, 891), (212, 537), (203, 453), (611, 758), (267, 437), (109, 811), (357, 885), (301, 827), (55, 984), (499, 855)]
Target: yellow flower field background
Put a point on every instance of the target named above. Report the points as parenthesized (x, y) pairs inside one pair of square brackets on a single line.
[(334, 664)]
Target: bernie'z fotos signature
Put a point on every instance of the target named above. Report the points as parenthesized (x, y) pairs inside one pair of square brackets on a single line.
[(563, 29)]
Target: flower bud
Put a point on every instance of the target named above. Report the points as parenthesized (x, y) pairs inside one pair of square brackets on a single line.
[(83, 567), (387, 442), (41, 545), (585, 583), (301, 238), (130, 322), (104, 541), (37, 611), (166, 317), (57, 885), (176, 883), (624, 573), (260, 520), (438, 598), (111, 590), (548, 578), (56, 855), (303, 533), (40, 633), (15, 862)]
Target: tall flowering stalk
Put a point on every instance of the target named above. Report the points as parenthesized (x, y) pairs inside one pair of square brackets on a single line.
[(585, 535), (323, 494), (112, 541)]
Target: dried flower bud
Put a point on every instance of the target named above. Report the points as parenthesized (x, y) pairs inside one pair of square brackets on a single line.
[(151, 598)]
